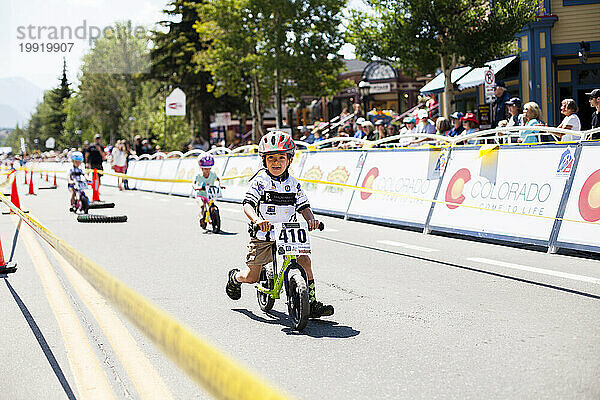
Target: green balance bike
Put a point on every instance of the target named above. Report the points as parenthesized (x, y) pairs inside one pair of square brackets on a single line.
[(291, 240)]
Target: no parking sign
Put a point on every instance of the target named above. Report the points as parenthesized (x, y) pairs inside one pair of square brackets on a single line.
[(489, 80)]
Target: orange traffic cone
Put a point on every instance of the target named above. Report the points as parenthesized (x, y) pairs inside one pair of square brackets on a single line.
[(26, 177), (31, 184), (14, 195), (6, 268), (47, 180), (95, 186), (54, 184), (41, 175)]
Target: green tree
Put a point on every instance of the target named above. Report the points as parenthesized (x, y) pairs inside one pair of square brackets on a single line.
[(281, 47), (422, 35), (173, 66)]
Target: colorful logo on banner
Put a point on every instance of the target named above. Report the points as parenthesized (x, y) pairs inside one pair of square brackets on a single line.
[(368, 182), (589, 198), (247, 171), (565, 164), (338, 175), (314, 173), (454, 191), (442, 160)]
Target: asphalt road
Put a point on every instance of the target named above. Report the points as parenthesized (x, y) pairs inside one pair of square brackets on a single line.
[(417, 316)]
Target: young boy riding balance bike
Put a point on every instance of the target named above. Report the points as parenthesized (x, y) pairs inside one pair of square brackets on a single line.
[(274, 196), (202, 182)]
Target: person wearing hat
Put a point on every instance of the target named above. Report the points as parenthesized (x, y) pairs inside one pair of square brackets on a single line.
[(424, 126), (514, 110), (471, 125), (358, 133), (457, 127), (409, 125), (595, 103), (379, 132), (499, 106)]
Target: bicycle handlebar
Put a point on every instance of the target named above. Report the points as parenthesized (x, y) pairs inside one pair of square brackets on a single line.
[(254, 228)]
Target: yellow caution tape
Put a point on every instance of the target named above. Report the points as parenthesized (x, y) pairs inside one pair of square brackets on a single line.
[(215, 372)]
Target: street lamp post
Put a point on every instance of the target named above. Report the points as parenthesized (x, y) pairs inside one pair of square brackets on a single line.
[(364, 88)]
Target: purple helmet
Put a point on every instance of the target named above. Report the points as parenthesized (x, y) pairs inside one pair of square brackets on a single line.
[(206, 161)]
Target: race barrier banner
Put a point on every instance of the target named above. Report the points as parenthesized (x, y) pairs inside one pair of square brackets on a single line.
[(335, 167), (513, 194), (409, 179), (580, 227), (521, 193), (237, 174)]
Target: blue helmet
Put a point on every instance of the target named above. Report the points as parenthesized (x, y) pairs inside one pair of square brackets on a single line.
[(206, 161), (76, 156)]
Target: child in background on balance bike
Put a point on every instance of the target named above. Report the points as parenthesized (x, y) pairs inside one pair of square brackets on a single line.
[(76, 177), (274, 196), (202, 182)]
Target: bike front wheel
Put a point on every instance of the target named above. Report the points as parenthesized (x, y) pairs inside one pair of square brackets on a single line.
[(265, 301), (298, 304)]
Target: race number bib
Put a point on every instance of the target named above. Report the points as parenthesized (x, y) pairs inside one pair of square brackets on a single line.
[(292, 238), (214, 192)]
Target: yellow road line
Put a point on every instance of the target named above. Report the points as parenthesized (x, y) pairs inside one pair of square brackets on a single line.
[(146, 380), (90, 381)]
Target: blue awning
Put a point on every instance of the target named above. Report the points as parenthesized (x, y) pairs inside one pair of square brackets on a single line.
[(467, 76)]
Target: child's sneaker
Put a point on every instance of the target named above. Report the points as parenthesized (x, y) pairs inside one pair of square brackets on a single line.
[(233, 288), (318, 309)]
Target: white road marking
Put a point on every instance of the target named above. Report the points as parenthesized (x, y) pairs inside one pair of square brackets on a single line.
[(89, 378), (406, 246), (232, 210), (559, 274), (146, 380), (330, 230)]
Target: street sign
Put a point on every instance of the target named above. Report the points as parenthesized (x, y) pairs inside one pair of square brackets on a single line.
[(50, 142), (223, 119), (175, 103), (489, 80), (22, 145)]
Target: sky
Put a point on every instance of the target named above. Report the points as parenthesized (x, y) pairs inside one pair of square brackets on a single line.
[(22, 22)]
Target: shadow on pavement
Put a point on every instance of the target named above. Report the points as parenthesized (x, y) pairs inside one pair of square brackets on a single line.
[(316, 328), (42, 342), (222, 232)]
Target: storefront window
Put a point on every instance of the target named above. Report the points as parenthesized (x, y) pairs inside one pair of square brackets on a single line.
[(589, 76)]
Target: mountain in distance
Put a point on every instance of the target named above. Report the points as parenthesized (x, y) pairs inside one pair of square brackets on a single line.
[(18, 99)]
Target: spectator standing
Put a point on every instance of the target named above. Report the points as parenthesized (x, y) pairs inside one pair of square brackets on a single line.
[(457, 127), (137, 145), (379, 132), (442, 126), (513, 107), (424, 126), (499, 105), (569, 109), (532, 115), (359, 133), (119, 159), (368, 130), (146, 148), (95, 154), (470, 125), (595, 103), (409, 125)]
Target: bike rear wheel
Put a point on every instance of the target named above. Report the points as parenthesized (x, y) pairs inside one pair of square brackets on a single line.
[(298, 304), (216, 220), (265, 301), (85, 204)]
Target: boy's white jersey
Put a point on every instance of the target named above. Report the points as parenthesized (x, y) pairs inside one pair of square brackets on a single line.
[(276, 199)]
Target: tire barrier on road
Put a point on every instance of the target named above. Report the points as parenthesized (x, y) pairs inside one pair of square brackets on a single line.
[(217, 373), (543, 194), (101, 218), (101, 204)]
